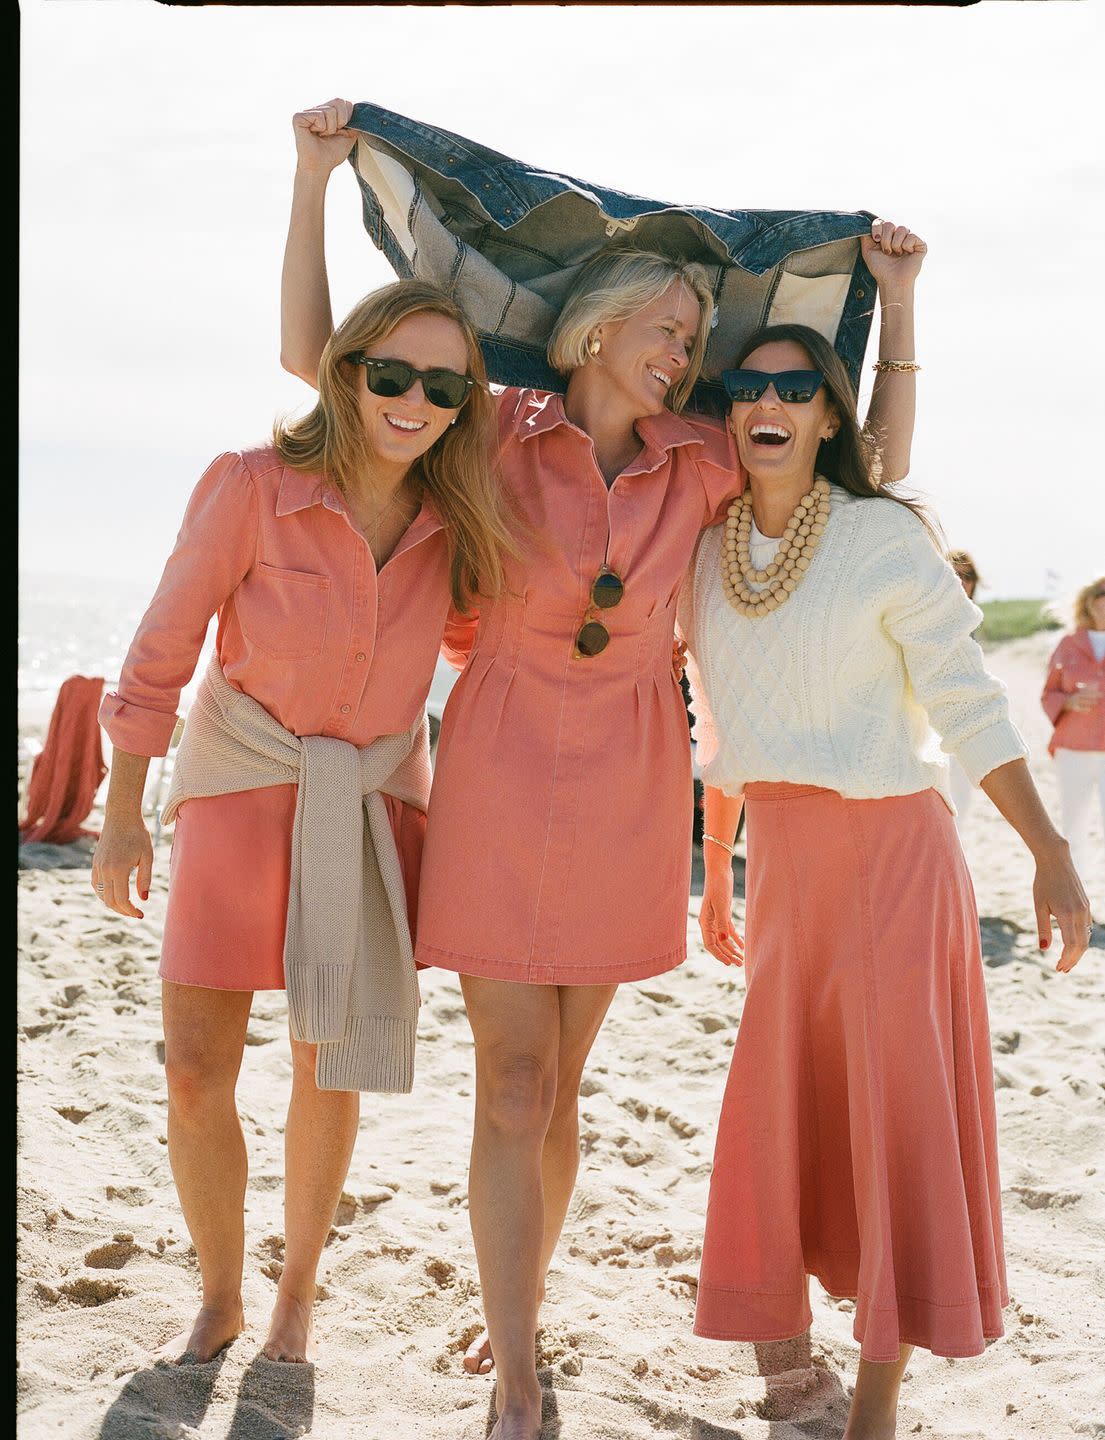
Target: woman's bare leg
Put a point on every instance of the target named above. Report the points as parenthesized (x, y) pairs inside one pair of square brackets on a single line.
[(205, 1033), (517, 1034), (582, 1009), (874, 1411), (318, 1143)]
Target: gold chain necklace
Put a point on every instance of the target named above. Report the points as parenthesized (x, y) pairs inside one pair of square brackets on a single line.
[(797, 546), (378, 519)]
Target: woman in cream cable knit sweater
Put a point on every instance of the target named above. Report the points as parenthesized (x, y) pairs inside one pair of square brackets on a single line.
[(857, 1137)]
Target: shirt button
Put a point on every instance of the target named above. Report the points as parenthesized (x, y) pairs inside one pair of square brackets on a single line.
[(359, 656), (345, 709)]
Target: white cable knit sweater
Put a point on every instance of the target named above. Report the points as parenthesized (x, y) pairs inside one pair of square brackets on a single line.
[(842, 686)]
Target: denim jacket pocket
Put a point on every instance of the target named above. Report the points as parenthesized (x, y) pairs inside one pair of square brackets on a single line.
[(284, 612)]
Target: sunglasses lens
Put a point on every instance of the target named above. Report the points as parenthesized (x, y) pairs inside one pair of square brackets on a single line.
[(592, 639), (445, 389), (797, 387), (388, 377), (744, 386), (607, 590)]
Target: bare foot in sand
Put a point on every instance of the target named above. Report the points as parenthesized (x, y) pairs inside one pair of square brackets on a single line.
[(289, 1336), (215, 1327), (518, 1423)]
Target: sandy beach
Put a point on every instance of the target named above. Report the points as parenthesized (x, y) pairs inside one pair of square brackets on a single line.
[(106, 1272)]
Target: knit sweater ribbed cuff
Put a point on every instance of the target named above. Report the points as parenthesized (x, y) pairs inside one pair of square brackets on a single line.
[(318, 1001), (376, 1053), (994, 746)]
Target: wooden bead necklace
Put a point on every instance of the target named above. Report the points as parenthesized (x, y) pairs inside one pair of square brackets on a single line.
[(797, 545)]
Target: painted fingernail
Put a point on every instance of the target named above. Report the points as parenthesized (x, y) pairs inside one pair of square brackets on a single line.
[(1044, 944), (145, 894)]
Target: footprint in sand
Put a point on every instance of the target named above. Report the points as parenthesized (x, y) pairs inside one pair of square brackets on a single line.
[(113, 1254), (86, 1290), (442, 1272), (632, 1153), (1038, 1199)]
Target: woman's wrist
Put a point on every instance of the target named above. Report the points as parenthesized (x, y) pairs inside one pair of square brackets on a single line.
[(308, 176), (716, 861), (1049, 848), (896, 292)]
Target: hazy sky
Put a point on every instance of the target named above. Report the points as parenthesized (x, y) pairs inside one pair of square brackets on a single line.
[(157, 158)]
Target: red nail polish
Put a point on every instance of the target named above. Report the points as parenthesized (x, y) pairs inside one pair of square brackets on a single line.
[(1044, 944), (145, 894)]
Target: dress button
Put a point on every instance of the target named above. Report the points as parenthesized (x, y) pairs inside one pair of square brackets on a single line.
[(359, 656), (345, 709)]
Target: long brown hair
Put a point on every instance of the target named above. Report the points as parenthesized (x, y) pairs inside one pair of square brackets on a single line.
[(456, 473), (850, 458)]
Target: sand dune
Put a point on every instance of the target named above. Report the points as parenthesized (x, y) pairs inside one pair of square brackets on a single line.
[(107, 1273)]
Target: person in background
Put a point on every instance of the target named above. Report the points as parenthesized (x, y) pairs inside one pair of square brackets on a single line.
[(963, 792), (1074, 699)]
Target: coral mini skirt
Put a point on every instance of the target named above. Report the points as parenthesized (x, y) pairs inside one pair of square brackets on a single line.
[(229, 875)]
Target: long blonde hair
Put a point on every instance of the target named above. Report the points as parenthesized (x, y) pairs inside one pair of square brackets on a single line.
[(456, 473), (617, 283)]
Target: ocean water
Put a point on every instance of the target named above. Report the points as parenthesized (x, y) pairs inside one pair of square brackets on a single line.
[(70, 626), (74, 626)]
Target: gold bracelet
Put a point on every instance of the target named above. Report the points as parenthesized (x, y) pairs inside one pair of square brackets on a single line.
[(896, 367), (722, 843)]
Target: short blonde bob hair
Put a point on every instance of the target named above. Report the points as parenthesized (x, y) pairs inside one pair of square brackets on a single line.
[(617, 283), (1083, 620)]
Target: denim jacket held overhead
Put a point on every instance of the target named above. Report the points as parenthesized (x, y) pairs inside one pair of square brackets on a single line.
[(508, 241)]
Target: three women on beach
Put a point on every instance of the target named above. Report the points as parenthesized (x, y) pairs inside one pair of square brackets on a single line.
[(550, 565)]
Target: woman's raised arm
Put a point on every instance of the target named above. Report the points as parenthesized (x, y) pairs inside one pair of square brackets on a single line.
[(894, 255), (306, 320)]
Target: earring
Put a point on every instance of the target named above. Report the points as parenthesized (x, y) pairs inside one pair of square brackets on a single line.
[(594, 345)]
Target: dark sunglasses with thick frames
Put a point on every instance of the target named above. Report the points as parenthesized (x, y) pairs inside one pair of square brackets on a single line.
[(388, 378), (793, 387)]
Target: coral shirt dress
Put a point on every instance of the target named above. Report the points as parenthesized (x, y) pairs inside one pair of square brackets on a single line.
[(326, 643), (558, 845)]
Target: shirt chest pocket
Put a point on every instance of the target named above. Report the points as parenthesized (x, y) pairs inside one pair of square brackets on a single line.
[(284, 612)]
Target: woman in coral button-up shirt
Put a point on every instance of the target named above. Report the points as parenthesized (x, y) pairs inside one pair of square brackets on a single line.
[(1074, 698), (332, 558)]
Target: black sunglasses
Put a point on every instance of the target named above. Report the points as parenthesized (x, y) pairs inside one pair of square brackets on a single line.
[(443, 388), (606, 592), (793, 387)]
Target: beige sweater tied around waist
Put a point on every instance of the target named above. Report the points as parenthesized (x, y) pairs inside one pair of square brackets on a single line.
[(348, 958)]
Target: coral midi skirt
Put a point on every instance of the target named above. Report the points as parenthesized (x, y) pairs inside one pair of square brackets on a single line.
[(229, 875), (857, 1140)]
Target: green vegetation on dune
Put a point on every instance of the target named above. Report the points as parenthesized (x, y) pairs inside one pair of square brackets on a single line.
[(1014, 619)]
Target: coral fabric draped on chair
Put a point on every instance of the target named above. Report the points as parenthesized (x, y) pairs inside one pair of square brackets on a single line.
[(70, 769)]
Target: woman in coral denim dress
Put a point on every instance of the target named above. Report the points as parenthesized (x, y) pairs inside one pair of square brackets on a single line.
[(557, 860), (331, 557)]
